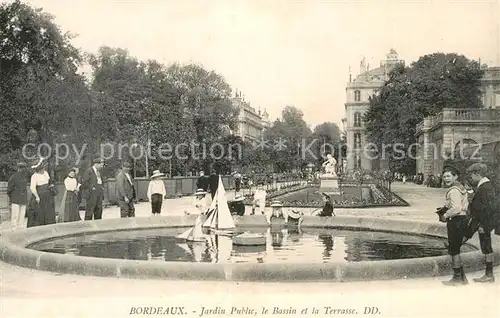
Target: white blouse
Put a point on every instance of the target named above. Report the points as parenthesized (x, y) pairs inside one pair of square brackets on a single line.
[(200, 205), (156, 187), (38, 179), (71, 184)]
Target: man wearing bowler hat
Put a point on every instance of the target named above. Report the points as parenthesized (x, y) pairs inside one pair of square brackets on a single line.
[(93, 190), (125, 191)]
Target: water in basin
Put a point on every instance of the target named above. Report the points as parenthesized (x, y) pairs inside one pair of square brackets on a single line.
[(283, 246)]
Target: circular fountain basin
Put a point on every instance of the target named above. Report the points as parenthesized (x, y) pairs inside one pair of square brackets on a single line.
[(333, 249)]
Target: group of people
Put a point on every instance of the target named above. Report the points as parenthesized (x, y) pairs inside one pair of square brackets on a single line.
[(41, 207), (465, 216), (207, 187)]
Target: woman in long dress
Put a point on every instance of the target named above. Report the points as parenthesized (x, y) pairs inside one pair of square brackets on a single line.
[(70, 199), (41, 209)]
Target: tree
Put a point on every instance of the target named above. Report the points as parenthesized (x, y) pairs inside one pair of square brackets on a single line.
[(205, 98), (326, 139), (37, 79), (286, 137), (411, 93)]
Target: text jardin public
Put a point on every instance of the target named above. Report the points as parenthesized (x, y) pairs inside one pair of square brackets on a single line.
[(327, 310)]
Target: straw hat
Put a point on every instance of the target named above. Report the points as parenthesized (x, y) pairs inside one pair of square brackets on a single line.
[(238, 198), (276, 204), (98, 160), (127, 165), (157, 173), (328, 197), (295, 214), (200, 192), (22, 164), (40, 162)]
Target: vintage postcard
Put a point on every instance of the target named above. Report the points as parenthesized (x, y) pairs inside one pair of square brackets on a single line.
[(253, 158)]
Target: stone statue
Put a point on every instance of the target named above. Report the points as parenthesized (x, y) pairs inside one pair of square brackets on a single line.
[(330, 166)]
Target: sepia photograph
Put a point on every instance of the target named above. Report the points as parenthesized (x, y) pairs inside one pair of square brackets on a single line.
[(249, 158)]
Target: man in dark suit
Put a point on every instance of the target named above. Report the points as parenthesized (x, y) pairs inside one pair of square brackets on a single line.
[(482, 213), (214, 183), (17, 191), (202, 182), (125, 191), (93, 190)]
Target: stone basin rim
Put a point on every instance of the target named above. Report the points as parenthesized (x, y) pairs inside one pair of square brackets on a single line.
[(13, 250)]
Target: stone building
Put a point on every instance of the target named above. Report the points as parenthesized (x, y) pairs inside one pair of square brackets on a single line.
[(358, 92), (458, 133), (251, 122)]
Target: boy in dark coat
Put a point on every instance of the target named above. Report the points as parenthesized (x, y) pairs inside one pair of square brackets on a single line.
[(483, 216)]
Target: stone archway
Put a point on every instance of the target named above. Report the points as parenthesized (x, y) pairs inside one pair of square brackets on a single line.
[(465, 148), (466, 142)]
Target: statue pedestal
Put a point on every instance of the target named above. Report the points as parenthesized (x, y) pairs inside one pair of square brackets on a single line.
[(329, 184)]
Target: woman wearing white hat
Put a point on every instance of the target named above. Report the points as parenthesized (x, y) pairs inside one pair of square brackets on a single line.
[(41, 209), (156, 192), (199, 205)]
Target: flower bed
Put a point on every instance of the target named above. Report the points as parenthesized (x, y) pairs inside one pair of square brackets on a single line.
[(275, 192), (307, 196)]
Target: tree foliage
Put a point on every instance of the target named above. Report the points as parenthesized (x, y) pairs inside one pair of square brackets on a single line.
[(424, 88), (286, 137), (39, 87), (151, 104)]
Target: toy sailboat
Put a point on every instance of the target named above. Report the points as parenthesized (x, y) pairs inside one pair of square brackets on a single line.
[(195, 233), (220, 220)]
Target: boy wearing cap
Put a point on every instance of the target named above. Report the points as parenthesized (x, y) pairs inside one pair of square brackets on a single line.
[(18, 195), (482, 213), (156, 192)]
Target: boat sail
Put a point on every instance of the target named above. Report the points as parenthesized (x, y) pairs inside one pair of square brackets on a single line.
[(220, 248), (194, 249), (220, 219), (195, 233)]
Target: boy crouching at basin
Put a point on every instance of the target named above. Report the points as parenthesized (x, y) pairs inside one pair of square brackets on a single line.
[(199, 203), (294, 218)]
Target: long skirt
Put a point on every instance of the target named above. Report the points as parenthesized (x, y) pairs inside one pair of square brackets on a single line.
[(71, 207), (43, 212)]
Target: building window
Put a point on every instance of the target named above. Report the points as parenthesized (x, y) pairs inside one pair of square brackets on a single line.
[(357, 140), (357, 119), (357, 96)]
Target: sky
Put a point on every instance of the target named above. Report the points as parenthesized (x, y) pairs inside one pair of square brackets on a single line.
[(280, 53)]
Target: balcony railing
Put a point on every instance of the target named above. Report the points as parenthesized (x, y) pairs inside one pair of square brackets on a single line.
[(450, 115)]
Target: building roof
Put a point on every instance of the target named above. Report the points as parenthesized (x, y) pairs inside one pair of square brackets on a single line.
[(377, 74)]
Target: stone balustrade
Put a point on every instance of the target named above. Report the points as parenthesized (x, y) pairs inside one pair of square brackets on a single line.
[(451, 115)]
